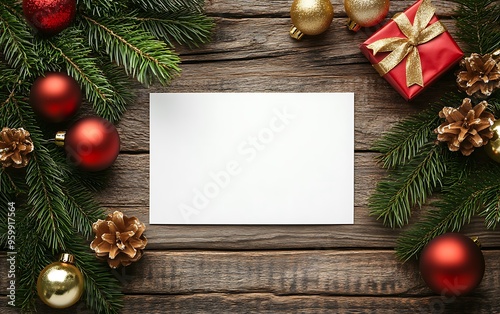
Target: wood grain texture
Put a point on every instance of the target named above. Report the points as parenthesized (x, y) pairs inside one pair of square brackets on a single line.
[(288, 281), (281, 8), (267, 303), (266, 59), (129, 192), (280, 269)]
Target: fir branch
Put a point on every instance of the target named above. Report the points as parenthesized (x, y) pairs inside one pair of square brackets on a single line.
[(478, 24), (32, 257), (408, 186), (460, 201), (7, 188), (79, 63), (405, 139), (121, 85), (169, 6), (81, 207), (494, 104), (17, 42), (43, 178), (102, 290), (183, 27), (142, 56), (491, 211), (102, 7)]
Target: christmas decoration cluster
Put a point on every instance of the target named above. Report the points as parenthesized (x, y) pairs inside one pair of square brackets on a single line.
[(452, 147), (57, 57), (313, 17)]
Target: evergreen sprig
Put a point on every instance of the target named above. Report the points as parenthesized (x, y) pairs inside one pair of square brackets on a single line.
[(418, 168), (478, 24), (109, 42), (17, 41), (162, 6), (408, 186), (184, 27), (404, 141), (476, 193)]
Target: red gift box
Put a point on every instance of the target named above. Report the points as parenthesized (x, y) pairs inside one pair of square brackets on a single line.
[(436, 55)]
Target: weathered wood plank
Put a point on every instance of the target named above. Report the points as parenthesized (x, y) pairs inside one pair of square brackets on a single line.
[(249, 38), (365, 233), (312, 272), (268, 303), (281, 8), (286, 272), (374, 98), (265, 59), (129, 192)]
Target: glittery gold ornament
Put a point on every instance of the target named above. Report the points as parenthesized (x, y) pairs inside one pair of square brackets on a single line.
[(310, 17), (493, 146), (365, 13), (60, 284)]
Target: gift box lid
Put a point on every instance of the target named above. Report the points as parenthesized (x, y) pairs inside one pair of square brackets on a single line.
[(437, 55)]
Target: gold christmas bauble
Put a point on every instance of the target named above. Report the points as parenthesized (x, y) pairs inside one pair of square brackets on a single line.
[(60, 284), (310, 17), (365, 13), (493, 146)]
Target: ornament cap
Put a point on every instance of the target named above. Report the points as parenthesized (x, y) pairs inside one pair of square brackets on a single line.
[(67, 258), (475, 239), (353, 26), (60, 137), (295, 33)]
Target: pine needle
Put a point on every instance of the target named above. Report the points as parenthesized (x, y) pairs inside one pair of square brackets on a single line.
[(408, 186), (105, 46)]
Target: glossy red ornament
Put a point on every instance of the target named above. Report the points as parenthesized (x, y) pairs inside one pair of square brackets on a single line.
[(452, 264), (92, 143), (56, 97), (49, 16)]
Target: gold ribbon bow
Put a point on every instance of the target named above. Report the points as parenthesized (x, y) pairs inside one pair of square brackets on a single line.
[(416, 34)]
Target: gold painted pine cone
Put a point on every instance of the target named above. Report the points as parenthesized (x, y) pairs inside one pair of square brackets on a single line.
[(15, 147), (480, 75), (465, 128), (119, 239)]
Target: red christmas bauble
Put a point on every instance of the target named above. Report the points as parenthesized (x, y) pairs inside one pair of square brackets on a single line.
[(49, 16), (92, 143), (56, 97), (452, 264)]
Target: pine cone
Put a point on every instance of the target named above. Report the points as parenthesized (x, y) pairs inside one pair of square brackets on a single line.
[(15, 146), (465, 128), (480, 76), (119, 239)]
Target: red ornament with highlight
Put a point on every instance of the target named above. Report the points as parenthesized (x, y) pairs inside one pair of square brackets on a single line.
[(56, 97), (452, 264), (92, 143), (49, 16)]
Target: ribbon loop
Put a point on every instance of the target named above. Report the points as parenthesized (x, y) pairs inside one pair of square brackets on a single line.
[(418, 33)]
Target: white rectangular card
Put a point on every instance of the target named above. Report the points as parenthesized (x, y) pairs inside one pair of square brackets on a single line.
[(253, 158)]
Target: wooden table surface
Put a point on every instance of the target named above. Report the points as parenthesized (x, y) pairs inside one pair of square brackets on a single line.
[(282, 269)]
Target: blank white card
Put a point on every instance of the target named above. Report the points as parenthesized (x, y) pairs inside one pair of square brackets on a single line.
[(253, 158)]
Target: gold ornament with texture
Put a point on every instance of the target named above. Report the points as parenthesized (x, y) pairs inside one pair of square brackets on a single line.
[(60, 284), (365, 13), (493, 146), (310, 17)]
